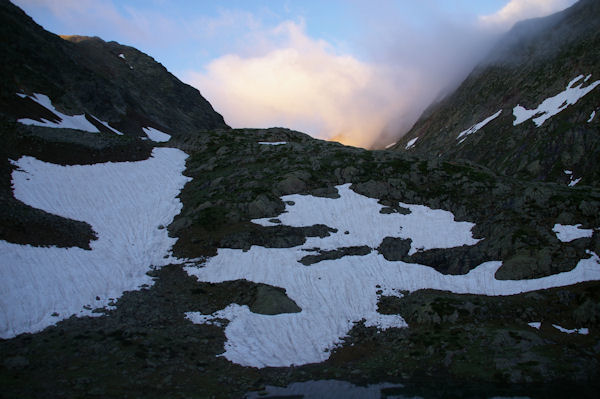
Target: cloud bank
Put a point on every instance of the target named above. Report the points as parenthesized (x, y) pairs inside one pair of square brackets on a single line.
[(301, 83)]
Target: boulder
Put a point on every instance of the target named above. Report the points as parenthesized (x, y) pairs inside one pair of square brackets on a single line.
[(272, 300)]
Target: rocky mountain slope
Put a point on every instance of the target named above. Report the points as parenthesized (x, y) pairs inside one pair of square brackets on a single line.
[(107, 85), (219, 262), (84, 75), (530, 109)]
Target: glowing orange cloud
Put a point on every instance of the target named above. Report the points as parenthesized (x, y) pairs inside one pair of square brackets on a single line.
[(302, 85)]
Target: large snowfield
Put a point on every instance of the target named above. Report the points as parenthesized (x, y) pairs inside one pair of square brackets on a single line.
[(334, 294), (126, 203)]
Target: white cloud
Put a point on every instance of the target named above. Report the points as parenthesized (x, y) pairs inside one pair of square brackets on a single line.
[(517, 10), (286, 78), (303, 84)]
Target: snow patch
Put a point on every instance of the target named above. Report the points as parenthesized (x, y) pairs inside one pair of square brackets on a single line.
[(122, 56), (335, 294), (572, 180), (390, 145), (553, 105), (567, 233), (476, 127), (592, 115), (272, 142), (535, 324), (582, 331), (78, 122), (156, 135), (126, 203), (66, 121), (411, 143), (427, 228)]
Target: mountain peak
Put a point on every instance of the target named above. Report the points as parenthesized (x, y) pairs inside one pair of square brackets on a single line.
[(79, 38)]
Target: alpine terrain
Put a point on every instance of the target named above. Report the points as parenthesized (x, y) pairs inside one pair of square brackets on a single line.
[(148, 250), (530, 109)]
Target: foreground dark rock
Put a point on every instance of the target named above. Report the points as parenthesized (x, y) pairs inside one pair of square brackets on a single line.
[(335, 254)]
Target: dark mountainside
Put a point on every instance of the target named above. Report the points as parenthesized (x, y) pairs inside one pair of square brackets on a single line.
[(81, 75), (86, 75), (536, 60), (455, 345)]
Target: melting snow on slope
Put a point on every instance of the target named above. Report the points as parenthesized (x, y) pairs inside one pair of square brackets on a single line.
[(572, 180), (592, 115), (67, 121), (272, 142), (553, 105), (411, 143), (426, 227), (334, 294), (156, 135), (567, 233), (125, 203), (582, 331), (476, 127)]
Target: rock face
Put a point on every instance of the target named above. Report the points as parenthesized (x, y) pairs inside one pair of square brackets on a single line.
[(271, 301), (116, 83), (535, 61)]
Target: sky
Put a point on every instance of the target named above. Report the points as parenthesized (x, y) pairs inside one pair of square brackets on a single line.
[(356, 71)]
